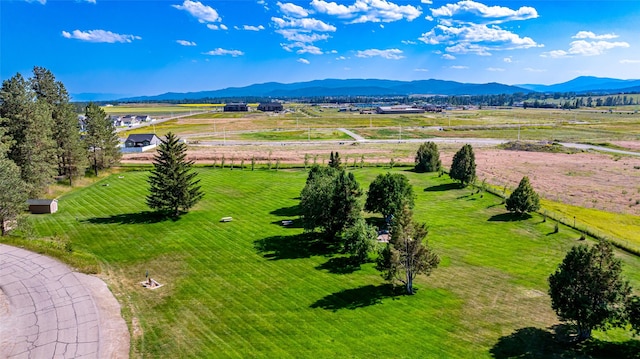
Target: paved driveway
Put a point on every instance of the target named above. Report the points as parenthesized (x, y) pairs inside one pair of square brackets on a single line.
[(49, 311)]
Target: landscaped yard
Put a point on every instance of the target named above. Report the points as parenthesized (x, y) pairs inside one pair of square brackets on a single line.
[(253, 288)]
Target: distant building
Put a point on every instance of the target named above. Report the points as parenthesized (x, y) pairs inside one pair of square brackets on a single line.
[(401, 109), (128, 120), (142, 140), (270, 107), (236, 107), (143, 118), (40, 206)]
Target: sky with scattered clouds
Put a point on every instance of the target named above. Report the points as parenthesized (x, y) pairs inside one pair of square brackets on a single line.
[(155, 46)]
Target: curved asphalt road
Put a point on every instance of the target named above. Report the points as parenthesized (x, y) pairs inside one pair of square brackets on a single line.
[(49, 311)]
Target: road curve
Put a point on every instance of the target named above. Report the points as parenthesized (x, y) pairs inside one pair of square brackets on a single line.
[(49, 311)]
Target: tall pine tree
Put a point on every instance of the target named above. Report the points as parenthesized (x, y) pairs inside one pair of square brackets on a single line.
[(174, 188), (71, 152), (101, 140)]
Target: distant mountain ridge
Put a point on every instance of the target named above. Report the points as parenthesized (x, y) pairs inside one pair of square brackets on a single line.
[(377, 87)]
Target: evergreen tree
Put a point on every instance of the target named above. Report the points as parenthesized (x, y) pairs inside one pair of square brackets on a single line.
[(29, 127), (406, 255), (101, 139), (523, 199), (588, 290), (335, 161), (428, 158), (463, 167), (71, 153), (13, 194), (173, 184)]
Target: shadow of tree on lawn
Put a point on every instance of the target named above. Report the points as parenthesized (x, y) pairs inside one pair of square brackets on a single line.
[(509, 217), (303, 245), (358, 297), (340, 265), (556, 342), (145, 217), (293, 211), (443, 187)]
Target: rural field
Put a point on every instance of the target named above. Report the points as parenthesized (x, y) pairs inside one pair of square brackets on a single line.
[(253, 288)]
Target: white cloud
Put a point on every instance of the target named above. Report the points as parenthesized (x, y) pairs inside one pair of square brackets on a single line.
[(586, 48), (304, 61), (476, 38), (628, 61), (223, 52), (448, 57), (253, 28), (297, 36), (89, 1), (362, 11), (390, 54), (495, 69), (408, 42), (294, 10), (421, 70), (223, 27), (309, 49), (459, 67), (203, 13), (428, 18), (493, 14), (219, 27), (530, 69), (308, 24), (426, 1), (341, 58), (507, 59), (38, 1), (186, 43), (591, 35), (99, 36)]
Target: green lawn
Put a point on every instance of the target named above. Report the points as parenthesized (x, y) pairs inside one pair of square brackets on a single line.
[(252, 288)]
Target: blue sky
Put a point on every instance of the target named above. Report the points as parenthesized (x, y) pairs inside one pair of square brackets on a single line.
[(148, 47)]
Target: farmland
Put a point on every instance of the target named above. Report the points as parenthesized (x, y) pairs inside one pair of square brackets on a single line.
[(252, 287)]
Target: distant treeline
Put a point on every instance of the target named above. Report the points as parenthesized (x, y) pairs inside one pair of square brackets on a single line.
[(565, 100)]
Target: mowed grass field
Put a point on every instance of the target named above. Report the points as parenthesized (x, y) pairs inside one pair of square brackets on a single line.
[(253, 288)]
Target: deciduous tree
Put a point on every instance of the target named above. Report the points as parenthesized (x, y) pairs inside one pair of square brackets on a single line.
[(406, 255), (428, 158), (588, 290), (388, 194), (523, 199), (463, 166), (359, 239), (329, 200), (174, 188)]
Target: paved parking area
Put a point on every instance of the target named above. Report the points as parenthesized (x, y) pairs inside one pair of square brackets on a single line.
[(49, 311)]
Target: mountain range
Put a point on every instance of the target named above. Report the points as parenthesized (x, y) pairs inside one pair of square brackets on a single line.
[(376, 87)]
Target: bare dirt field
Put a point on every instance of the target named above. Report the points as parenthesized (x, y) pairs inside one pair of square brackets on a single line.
[(592, 180)]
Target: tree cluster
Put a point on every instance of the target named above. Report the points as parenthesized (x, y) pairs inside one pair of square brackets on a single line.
[(40, 139)]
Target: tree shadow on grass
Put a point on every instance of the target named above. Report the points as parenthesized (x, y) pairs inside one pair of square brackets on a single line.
[(557, 342), (145, 217), (443, 187), (509, 217), (340, 265), (293, 211), (358, 297), (303, 245)]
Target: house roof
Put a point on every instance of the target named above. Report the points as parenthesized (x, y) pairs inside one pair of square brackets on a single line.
[(140, 137), (40, 202)]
